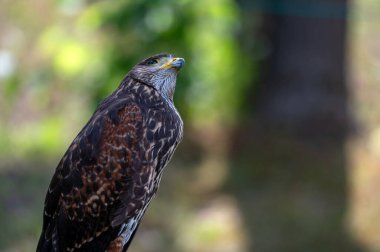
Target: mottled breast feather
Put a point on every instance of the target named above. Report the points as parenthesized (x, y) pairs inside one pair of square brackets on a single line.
[(110, 172)]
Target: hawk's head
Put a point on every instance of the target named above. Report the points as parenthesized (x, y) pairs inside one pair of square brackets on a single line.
[(159, 71)]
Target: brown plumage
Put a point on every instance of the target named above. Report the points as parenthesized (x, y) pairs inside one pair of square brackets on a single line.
[(107, 177)]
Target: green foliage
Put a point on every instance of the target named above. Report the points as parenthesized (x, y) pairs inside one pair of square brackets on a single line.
[(82, 51)]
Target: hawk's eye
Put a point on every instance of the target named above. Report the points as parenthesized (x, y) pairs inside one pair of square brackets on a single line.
[(152, 62)]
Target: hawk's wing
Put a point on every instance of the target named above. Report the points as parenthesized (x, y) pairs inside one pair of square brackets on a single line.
[(103, 179)]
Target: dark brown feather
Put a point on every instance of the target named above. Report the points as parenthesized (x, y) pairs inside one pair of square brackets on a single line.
[(111, 171)]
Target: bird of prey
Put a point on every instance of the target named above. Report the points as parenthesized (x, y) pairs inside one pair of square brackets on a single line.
[(109, 174)]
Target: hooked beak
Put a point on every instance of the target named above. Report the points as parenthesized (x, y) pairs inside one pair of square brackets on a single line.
[(176, 63)]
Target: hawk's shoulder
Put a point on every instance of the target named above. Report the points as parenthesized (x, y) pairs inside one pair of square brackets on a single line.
[(92, 175)]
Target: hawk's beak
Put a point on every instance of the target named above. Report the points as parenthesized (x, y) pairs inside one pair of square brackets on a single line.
[(176, 63)]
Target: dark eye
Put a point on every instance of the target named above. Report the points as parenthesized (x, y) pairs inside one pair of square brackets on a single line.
[(152, 62)]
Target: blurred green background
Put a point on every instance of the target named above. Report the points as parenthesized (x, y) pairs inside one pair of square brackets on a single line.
[(280, 100)]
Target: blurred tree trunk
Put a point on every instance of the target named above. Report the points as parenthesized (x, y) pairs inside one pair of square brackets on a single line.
[(304, 86), (290, 172)]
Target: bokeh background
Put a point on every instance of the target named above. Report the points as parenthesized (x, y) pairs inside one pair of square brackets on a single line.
[(281, 103)]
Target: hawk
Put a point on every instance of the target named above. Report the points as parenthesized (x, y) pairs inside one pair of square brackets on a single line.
[(109, 174)]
